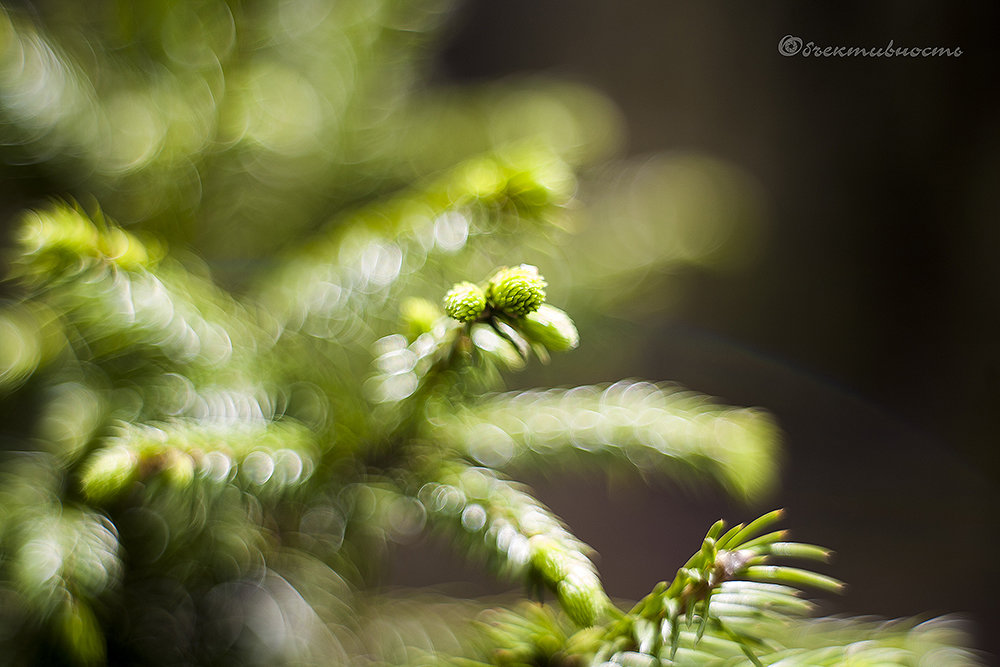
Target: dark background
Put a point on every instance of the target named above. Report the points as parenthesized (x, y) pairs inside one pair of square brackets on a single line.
[(868, 323)]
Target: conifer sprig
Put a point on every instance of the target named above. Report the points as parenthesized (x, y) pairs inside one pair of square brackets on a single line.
[(500, 522), (723, 591), (650, 427)]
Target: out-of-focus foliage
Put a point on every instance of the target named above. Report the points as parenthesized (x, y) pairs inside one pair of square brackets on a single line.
[(234, 376)]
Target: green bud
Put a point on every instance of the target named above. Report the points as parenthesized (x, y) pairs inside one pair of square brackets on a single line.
[(551, 327), (108, 473), (516, 291), (465, 302), (582, 596)]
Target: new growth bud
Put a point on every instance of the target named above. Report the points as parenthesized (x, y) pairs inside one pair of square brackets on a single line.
[(551, 327), (516, 291), (465, 302)]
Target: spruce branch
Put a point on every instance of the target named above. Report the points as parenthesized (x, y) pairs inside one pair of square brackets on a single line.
[(264, 456), (649, 427), (498, 521), (716, 612), (725, 591), (118, 293)]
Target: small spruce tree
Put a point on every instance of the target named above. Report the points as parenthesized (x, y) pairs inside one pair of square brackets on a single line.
[(262, 336)]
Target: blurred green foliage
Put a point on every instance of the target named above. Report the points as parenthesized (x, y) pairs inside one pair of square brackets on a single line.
[(229, 388)]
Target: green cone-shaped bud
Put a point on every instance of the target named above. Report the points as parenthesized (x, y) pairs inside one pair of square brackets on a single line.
[(551, 327), (465, 302), (516, 291), (582, 596)]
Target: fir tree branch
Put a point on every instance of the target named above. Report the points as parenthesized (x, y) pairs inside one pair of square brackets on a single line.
[(498, 521), (651, 427), (119, 296), (264, 456), (718, 595)]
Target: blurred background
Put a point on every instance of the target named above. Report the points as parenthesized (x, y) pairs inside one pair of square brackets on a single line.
[(867, 319), (860, 305)]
